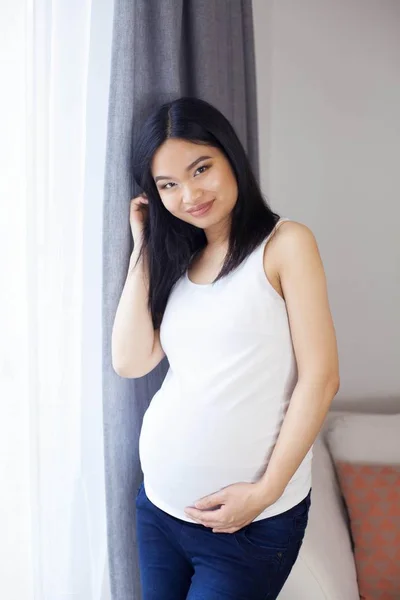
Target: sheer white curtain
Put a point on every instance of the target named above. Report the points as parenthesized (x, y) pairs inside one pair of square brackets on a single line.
[(53, 114)]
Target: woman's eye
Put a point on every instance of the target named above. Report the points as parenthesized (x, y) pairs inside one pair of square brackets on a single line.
[(205, 167), (165, 187)]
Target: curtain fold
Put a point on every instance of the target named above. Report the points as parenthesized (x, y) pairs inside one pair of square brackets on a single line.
[(162, 49)]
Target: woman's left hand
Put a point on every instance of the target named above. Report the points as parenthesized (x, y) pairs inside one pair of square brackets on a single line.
[(232, 508)]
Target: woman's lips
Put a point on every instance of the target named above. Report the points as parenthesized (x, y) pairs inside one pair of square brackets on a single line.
[(201, 210)]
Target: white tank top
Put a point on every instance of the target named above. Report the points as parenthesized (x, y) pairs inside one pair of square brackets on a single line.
[(217, 416)]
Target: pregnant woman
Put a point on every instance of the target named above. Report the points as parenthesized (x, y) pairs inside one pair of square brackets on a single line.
[(236, 298)]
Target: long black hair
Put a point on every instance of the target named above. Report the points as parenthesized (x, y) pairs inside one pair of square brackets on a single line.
[(170, 243)]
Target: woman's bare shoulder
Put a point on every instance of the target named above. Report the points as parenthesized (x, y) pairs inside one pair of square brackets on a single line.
[(292, 236), (290, 241)]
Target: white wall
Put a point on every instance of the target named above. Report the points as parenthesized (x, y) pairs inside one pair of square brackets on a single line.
[(329, 118)]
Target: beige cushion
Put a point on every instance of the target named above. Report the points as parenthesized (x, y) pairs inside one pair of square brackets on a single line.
[(364, 439)]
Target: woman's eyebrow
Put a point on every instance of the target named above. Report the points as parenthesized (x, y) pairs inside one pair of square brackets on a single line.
[(188, 168)]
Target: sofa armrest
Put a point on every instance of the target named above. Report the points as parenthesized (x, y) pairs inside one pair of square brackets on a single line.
[(325, 569)]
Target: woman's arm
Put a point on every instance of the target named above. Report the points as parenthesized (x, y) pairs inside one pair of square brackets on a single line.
[(303, 283), (136, 348)]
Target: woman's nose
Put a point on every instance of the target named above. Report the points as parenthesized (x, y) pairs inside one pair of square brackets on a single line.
[(191, 195)]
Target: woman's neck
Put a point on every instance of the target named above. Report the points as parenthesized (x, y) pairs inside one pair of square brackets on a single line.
[(218, 235)]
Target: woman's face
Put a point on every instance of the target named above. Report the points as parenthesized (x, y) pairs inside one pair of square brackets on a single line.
[(195, 182)]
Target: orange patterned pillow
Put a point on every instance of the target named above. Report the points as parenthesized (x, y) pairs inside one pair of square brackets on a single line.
[(372, 496)]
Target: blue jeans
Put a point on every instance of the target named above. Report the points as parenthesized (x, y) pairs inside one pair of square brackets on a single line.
[(187, 561)]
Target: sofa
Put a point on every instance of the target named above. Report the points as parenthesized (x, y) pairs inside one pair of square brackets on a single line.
[(326, 568)]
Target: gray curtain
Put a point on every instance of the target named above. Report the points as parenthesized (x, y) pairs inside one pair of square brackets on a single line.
[(162, 49)]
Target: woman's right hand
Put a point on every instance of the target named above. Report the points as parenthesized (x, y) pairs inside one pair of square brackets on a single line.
[(138, 215)]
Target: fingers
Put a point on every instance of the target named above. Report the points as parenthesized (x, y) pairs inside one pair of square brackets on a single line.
[(139, 201), (213, 519), (207, 510), (207, 518), (222, 530), (213, 501)]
